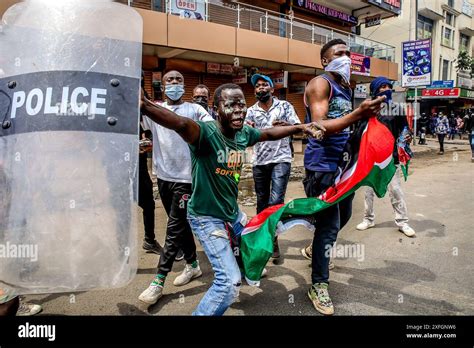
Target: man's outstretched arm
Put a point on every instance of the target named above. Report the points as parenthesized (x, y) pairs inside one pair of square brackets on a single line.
[(185, 127), (313, 129)]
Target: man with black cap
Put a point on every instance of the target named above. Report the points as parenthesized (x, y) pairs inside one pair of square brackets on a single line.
[(396, 123), (272, 159)]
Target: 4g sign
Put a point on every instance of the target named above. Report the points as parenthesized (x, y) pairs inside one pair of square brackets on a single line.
[(440, 93)]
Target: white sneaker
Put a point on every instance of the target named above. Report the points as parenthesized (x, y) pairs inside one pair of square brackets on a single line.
[(188, 274), (365, 224), (152, 294), (407, 230), (331, 265), (28, 309), (256, 283)]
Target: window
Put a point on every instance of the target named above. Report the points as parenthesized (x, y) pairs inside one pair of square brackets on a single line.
[(451, 3), (463, 42), (425, 27), (448, 37), (449, 19), (445, 73)]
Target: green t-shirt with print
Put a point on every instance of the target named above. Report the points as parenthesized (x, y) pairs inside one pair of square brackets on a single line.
[(216, 165)]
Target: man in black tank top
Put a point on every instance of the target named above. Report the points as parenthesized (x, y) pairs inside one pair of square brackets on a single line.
[(320, 169)]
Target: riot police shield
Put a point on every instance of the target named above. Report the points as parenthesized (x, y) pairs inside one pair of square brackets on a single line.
[(69, 112)]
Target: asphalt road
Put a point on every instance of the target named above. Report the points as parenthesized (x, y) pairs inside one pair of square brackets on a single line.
[(432, 274)]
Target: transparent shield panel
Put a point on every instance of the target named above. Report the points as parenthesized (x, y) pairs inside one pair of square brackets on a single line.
[(69, 83)]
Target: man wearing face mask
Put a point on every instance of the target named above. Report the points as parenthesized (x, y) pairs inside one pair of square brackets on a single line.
[(396, 123), (272, 159), (172, 166), (201, 97), (328, 99)]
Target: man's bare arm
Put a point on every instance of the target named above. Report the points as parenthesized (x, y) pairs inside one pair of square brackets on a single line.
[(317, 97), (185, 127), (313, 129)]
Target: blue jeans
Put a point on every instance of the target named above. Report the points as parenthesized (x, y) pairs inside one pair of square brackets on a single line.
[(214, 238), (276, 174)]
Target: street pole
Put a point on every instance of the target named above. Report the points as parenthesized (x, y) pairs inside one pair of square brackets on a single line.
[(414, 117)]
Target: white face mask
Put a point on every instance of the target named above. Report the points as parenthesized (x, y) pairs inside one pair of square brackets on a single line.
[(341, 66)]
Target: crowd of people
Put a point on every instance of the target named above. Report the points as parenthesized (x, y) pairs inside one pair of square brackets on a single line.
[(442, 126), (198, 151)]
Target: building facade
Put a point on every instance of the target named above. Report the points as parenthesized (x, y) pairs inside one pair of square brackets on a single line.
[(450, 26)]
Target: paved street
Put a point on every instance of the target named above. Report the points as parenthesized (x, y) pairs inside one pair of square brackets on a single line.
[(432, 274)]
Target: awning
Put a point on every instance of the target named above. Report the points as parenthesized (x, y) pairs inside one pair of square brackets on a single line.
[(431, 14), (467, 31)]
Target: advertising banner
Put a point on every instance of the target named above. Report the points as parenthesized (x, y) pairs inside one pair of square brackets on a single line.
[(416, 63)]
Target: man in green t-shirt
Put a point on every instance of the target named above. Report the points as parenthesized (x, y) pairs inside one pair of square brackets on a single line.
[(217, 155)]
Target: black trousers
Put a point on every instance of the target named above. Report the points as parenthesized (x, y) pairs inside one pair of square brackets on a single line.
[(146, 200), (175, 198), (441, 142), (328, 223)]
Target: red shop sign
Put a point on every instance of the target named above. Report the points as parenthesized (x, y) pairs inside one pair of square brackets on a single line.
[(440, 92)]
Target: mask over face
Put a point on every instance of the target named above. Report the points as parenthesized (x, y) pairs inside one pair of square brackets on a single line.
[(174, 92), (201, 101), (263, 96), (387, 94), (341, 66)]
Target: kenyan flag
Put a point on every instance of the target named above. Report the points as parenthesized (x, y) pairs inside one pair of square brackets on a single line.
[(370, 164)]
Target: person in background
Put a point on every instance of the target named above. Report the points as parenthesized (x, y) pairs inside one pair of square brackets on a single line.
[(382, 86), (459, 126), (172, 165), (146, 201), (452, 126), (441, 129), (432, 126), (201, 97), (272, 159)]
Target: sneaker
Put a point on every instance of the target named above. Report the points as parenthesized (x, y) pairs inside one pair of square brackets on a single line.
[(319, 295), (308, 252), (188, 274), (331, 265), (152, 294), (252, 282), (179, 255), (28, 309), (407, 230), (365, 224), (154, 247)]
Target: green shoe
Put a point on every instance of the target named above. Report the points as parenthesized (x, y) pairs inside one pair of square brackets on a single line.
[(319, 295)]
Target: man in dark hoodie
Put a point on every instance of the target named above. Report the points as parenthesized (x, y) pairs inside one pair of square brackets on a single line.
[(396, 123)]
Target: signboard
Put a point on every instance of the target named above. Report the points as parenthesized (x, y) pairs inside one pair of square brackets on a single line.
[(442, 84), (416, 63), (221, 69), (360, 64), (192, 9), (297, 87), (213, 68), (372, 21), (240, 77), (360, 91), (394, 6), (280, 79), (326, 11), (441, 92), (467, 93)]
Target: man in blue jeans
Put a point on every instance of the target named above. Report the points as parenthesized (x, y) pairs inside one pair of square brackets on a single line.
[(217, 154), (272, 159)]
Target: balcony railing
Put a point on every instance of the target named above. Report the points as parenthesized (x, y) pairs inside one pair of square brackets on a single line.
[(244, 16)]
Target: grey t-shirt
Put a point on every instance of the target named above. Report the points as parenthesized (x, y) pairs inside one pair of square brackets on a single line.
[(171, 156)]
